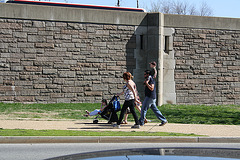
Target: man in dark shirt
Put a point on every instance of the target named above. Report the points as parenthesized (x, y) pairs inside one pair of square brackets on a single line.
[(150, 100)]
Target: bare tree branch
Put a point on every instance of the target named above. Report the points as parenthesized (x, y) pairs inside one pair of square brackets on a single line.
[(166, 7), (156, 7), (205, 10), (180, 7), (193, 10)]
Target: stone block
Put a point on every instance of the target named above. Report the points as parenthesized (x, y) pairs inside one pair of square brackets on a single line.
[(25, 45), (100, 87), (11, 26), (38, 24), (29, 92), (25, 99), (36, 38), (63, 100), (7, 98), (39, 86), (33, 68), (17, 68), (211, 81), (42, 99), (50, 71), (72, 89), (92, 78), (100, 44), (61, 66), (228, 79), (44, 45), (4, 65), (194, 81), (93, 93), (67, 74), (57, 95), (20, 34)]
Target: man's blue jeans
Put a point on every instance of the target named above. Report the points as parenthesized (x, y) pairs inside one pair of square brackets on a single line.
[(150, 103)]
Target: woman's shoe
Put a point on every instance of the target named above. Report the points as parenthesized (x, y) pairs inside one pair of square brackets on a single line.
[(124, 122), (135, 126), (116, 126)]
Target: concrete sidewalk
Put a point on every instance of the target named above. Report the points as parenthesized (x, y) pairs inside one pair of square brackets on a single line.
[(214, 133), (87, 125)]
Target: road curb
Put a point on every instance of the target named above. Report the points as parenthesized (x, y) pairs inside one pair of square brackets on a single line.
[(116, 139)]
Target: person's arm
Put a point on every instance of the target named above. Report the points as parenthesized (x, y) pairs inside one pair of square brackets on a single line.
[(155, 72), (103, 108), (120, 93), (150, 86)]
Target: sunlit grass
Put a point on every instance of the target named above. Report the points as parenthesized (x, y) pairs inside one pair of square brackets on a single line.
[(186, 114), (30, 132)]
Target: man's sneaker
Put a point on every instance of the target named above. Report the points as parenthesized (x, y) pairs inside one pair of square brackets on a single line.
[(163, 123), (135, 126), (116, 126)]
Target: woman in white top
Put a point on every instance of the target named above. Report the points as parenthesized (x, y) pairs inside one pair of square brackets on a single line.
[(130, 94)]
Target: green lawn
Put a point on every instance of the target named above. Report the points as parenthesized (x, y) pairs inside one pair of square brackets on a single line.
[(30, 132), (186, 114)]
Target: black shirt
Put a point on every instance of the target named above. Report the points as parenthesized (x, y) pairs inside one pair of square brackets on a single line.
[(148, 92)]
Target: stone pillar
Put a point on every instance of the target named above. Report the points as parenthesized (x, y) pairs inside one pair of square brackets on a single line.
[(154, 51), (140, 54), (169, 92)]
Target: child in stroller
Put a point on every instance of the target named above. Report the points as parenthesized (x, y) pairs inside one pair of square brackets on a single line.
[(97, 111), (110, 111)]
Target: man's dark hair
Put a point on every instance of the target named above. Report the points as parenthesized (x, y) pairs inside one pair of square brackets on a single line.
[(147, 72)]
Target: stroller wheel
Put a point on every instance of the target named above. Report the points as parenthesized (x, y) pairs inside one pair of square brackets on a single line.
[(95, 121)]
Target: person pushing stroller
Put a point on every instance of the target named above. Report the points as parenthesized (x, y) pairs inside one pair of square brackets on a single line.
[(129, 91)]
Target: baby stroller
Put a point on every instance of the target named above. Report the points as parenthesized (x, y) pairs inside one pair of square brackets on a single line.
[(110, 112)]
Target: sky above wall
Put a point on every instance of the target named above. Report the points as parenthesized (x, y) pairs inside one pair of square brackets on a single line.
[(221, 8)]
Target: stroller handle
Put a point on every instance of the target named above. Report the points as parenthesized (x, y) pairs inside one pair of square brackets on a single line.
[(113, 98)]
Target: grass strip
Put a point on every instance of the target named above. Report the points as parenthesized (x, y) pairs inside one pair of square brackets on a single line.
[(31, 132), (185, 114)]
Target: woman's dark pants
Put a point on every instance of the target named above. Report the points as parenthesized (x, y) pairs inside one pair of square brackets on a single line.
[(131, 105)]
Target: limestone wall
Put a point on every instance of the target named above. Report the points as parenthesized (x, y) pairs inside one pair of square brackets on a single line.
[(49, 61), (207, 66), (57, 54)]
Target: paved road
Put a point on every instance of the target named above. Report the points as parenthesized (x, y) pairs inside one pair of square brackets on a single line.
[(44, 151)]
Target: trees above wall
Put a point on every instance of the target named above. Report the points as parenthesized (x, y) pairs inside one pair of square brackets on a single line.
[(180, 7)]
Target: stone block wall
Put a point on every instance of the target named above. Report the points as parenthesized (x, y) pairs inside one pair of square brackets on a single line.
[(79, 55), (207, 66), (53, 62)]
